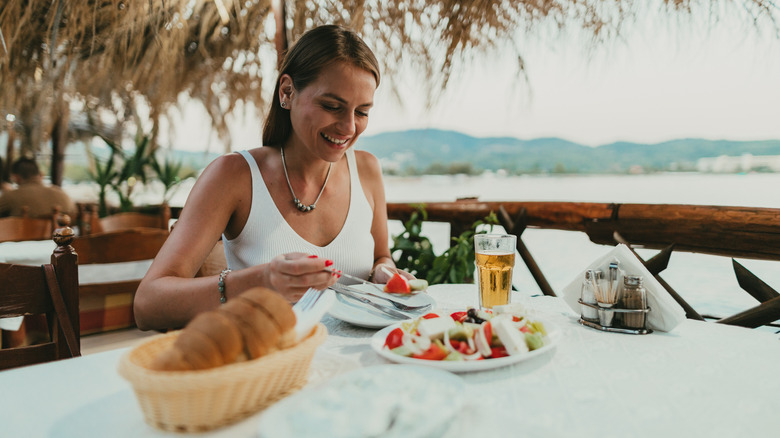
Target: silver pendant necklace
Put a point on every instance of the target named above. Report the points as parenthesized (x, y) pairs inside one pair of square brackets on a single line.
[(298, 204)]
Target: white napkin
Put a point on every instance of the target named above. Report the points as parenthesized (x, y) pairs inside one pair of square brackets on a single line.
[(664, 313), (306, 320), (12, 323)]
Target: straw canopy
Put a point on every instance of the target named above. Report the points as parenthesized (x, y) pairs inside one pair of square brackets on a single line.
[(119, 65)]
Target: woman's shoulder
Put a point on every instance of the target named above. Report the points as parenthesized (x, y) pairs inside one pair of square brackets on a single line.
[(367, 163)]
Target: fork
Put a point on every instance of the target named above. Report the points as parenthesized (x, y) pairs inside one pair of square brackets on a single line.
[(399, 306), (308, 300)]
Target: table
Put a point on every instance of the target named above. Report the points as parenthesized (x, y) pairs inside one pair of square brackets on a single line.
[(701, 379)]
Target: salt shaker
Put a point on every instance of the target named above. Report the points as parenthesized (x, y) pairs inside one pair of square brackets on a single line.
[(634, 298), (588, 295)]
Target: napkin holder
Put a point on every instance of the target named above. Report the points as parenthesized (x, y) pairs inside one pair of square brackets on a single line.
[(609, 319), (663, 314)]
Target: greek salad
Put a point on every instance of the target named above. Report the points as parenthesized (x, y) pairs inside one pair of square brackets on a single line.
[(473, 334)]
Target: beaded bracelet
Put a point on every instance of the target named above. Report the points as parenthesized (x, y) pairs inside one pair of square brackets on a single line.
[(221, 284)]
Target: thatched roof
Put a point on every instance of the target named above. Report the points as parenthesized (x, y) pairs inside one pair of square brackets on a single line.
[(115, 56)]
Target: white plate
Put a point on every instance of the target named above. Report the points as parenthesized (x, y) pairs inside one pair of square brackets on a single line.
[(383, 400), (378, 343), (363, 315)]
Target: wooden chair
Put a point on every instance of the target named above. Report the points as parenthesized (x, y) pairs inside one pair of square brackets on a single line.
[(50, 290), (109, 306), (21, 228), (90, 223)]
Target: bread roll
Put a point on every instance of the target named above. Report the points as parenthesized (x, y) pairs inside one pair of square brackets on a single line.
[(254, 324)]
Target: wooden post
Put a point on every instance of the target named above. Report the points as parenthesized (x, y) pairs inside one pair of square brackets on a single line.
[(280, 38), (65, 261)]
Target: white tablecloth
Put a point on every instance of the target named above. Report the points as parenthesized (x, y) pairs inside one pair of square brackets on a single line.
[(701, 379)]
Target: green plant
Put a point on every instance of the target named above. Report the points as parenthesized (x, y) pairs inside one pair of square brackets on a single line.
[(104, 176), (455, 265), (133, 169), (170, 173), (416, 252)]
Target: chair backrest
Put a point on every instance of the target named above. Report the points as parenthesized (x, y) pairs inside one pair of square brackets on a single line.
[(50, 290), (109, 306), (21, 228), (90, 223)]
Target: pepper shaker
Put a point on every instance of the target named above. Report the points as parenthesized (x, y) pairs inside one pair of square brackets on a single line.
[(634, 298)]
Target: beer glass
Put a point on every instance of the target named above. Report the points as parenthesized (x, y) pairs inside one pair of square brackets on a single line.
[(495, 254)]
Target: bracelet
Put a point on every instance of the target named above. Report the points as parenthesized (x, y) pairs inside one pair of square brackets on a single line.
[(221, 284)]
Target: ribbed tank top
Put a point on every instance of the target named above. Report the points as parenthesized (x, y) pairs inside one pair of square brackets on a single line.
[(267, 234)]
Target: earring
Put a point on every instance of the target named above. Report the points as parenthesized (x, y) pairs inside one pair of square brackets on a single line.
[(284, 104)]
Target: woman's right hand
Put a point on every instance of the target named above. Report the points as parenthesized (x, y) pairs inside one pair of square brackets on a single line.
[(293, 274)]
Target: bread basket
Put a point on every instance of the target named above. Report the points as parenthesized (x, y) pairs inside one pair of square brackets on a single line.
[(193, 401)]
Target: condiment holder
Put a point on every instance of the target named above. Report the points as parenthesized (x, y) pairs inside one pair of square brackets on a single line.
[(616, 302)]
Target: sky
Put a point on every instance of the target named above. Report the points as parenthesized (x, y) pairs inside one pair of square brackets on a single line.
[(662, 79)]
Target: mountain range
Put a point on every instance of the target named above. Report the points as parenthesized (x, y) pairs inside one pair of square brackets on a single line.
[(437, 151)]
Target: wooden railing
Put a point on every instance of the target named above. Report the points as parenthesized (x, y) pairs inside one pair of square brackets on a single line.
[(724, 231)]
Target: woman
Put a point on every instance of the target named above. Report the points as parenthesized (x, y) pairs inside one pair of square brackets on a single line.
[(304, 202)]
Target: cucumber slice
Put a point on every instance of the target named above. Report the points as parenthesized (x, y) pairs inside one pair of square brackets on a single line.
[(418, 284)]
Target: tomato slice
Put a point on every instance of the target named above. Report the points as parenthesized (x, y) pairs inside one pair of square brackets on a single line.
[(394, 338), (430, 316), (433, 353), (498, 352), (488, 331), (398, 284), (459, 316)]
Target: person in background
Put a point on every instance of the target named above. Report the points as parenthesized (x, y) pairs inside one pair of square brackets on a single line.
[(32, 197), (303, 203), (4, 185)]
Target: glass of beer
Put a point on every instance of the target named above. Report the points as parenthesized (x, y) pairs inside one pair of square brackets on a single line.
[(495, 254)]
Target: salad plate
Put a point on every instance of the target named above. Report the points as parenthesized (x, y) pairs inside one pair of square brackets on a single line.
[(363, 315), (382, 400), (465, 366)]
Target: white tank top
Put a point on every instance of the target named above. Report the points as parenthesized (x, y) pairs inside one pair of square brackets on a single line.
[(267, 234)]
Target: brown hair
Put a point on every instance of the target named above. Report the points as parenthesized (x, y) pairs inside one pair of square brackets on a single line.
[(315, 50), (25, 168)]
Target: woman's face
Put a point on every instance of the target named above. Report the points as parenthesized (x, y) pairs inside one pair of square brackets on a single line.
[(331, 112)]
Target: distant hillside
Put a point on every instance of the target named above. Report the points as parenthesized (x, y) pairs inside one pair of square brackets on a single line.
[(430, 149)]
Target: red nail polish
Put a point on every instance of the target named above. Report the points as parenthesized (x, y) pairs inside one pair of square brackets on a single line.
[(328, 262), (312, 256)]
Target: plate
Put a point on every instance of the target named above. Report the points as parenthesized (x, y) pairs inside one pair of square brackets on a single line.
[(382, 400), (363, 315), (378, 343)]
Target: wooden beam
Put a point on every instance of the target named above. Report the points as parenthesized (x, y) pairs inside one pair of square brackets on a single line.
[(752, 284), (765, 313), (725, 231)]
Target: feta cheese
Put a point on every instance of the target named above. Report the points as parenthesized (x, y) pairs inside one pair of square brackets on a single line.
[(512, 338), (434, 328)]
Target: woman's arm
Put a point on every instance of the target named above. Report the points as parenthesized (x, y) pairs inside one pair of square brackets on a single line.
[(370, 172), (169, 296)]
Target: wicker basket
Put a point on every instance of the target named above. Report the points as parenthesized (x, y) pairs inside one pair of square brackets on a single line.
[(193, 401)]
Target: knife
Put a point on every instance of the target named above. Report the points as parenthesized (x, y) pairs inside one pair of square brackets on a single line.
[(387, 310)]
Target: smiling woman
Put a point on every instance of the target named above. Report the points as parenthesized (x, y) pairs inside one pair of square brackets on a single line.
[(285, 211)]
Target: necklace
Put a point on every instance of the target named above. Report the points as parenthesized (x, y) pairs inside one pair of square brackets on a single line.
[(298, 204)]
